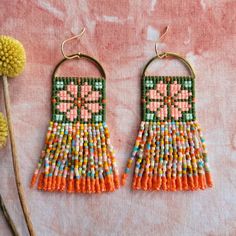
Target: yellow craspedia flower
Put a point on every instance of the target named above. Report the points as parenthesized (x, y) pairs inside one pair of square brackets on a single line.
[(3, 130), (12, 56)]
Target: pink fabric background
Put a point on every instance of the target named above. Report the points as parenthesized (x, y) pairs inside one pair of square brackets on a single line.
[(122, 34)]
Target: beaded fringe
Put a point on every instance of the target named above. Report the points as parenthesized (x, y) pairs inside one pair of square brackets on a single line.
[(77, 158), (169, 156)]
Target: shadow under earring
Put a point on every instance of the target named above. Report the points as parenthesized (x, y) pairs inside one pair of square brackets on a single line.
[(77, 156), (170, 151)]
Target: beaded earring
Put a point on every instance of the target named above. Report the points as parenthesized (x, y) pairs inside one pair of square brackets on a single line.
[(170, 151), (77, 156)]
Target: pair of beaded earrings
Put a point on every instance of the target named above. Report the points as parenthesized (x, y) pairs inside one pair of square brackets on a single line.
[(169, 151)]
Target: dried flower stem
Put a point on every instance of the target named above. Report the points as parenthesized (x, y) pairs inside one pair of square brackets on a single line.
[(8, 218), (15, 159)]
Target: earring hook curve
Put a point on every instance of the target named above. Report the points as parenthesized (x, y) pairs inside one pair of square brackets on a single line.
[(161, 55), (74, 37)]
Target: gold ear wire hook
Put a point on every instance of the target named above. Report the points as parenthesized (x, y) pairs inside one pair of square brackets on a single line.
[(74, 37), (161, 55)]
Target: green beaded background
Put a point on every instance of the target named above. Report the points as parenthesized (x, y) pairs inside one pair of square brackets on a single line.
[(60, 83), (187, 83)]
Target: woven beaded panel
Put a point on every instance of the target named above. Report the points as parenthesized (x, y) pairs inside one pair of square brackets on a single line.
[(168, 98), (78, 100), (169, 152)]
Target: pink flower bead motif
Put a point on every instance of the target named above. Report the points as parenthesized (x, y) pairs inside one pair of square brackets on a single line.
[(79, 101), (168, 102)]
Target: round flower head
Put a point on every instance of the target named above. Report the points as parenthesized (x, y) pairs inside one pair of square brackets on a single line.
[(3, 130), (12, 56)]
